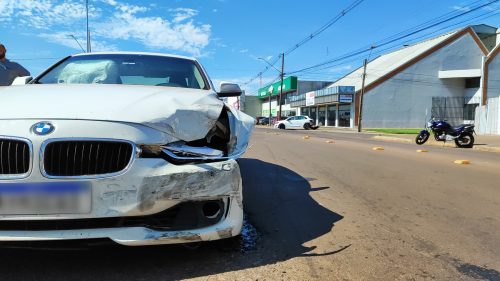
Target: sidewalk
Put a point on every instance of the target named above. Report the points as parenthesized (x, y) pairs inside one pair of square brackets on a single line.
[(490, 143)]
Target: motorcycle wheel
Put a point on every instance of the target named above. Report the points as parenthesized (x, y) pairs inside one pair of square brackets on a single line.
[(422, 138), (465, 141)]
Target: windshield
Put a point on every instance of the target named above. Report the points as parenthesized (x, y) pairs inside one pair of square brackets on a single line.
[(126, 69)]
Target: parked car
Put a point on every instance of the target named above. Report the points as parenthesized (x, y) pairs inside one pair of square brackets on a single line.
[(264, 121), (296, 122), (261, 120), (134, 147)]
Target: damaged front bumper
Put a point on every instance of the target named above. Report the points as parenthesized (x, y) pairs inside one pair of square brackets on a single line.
[(154, 202)]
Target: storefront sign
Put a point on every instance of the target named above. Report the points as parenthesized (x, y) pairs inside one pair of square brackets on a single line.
[(345, 98), (289, 85), (310, 98)]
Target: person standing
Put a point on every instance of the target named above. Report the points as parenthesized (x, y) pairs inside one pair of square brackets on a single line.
[(9, 70)]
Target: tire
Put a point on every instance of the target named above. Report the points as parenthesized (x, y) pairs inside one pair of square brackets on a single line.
[(466, 140), (282, 126), (307, 126), (422, 137)]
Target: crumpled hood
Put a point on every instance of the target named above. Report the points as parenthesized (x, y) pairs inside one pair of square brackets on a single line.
[(187, 114)]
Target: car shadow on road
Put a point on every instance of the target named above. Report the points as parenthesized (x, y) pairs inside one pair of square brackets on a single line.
[(277, 202)]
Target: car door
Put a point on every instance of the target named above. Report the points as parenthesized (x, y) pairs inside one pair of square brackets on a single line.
[(297, 122), (290, 122)]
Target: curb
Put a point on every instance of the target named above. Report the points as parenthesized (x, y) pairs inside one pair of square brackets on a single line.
[(395, 139)]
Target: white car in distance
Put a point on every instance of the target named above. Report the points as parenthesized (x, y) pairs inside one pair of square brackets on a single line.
[(296, 122)]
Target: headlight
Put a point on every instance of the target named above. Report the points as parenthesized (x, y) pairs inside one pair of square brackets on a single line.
[(181, 153), (429, 124)]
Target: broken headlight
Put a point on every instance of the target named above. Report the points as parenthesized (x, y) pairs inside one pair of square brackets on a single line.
[(182, 153), (216, 146)]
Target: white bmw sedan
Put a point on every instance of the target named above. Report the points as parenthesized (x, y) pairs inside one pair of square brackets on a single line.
[(137, 148)]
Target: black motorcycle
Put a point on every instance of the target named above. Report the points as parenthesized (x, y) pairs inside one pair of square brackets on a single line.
[(443, 131)]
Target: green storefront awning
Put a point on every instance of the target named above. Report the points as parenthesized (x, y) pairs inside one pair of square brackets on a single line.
[(289, 85)]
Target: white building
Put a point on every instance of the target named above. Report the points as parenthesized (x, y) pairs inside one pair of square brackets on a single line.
[(455, 76), (488, 116)]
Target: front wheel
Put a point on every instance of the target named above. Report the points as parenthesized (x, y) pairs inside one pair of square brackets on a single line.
[(466, 140), (307, 126), (422, 137), (281, 126)]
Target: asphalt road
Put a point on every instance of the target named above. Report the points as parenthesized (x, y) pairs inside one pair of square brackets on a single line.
[(329, 211)]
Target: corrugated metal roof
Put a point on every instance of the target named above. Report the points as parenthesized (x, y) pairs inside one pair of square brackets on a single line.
[(384, 64)]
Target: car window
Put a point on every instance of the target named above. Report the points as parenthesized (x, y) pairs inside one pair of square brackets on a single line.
[(126, 69)]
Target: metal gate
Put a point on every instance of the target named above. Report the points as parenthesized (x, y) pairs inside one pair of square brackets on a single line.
[(450, 109)]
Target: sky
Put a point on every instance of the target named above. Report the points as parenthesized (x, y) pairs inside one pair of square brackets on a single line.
[(227, 36)]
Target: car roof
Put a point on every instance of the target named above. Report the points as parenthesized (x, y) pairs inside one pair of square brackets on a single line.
[(135, 53)]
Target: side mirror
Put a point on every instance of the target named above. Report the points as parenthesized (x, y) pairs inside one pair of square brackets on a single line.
[(22, 80), (229, 90)]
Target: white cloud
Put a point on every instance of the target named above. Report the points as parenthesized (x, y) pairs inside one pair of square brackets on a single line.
[(182, 14), (43, 14), (111, 20), (244, 51)]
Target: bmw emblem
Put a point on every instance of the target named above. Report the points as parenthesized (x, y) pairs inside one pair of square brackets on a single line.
[(43, 128)]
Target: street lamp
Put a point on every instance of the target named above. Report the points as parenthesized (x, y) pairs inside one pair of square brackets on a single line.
[(77, 42)]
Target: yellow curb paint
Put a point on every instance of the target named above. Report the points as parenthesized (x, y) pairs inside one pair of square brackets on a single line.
[(306, 137), (462, 162), (422, 150), (330, 141), (378, 148)]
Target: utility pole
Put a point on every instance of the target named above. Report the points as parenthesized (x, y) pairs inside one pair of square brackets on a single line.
[(270, 99), (362, 93), (281, 84), (89, 48)]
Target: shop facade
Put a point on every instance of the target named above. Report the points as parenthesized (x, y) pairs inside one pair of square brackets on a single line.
[(292, 87), (330, 107)]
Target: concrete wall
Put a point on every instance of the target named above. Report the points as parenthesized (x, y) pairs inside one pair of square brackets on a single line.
[(492, 109), (402, 101), (494, 77), (308, 86), (253, 106)]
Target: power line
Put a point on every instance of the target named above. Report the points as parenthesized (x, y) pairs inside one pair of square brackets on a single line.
[(309, 37), (325, 26), (393, 39), (317, 71)]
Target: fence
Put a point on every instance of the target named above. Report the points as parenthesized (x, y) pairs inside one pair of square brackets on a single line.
[(450, 109)]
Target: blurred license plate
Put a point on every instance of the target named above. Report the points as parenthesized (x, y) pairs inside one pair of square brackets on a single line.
[(45, 198)]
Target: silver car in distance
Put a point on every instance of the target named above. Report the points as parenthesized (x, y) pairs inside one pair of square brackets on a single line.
[(137, 148)]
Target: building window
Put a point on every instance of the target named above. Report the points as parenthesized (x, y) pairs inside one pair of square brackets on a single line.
[(304, 111), (470, 112), (472, 82)]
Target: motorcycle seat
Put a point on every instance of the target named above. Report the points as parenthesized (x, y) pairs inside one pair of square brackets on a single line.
[(461, 127)]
